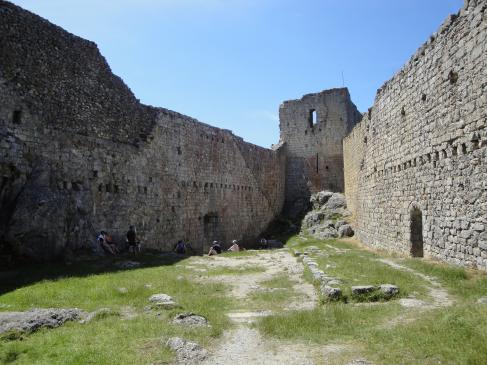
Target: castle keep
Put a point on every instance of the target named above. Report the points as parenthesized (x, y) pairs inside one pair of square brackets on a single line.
[(313, 129), (79, 153)]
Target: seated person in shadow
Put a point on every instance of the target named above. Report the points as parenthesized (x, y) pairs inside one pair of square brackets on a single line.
[(235, 247), (215, 249), (102, 240)]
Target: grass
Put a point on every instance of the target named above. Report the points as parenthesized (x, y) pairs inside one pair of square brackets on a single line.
[(376, 331), (109, 339), (279, 293), (452, 335), (355, 266)]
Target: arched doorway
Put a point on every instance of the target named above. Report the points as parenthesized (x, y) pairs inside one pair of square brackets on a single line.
[(416, 232)]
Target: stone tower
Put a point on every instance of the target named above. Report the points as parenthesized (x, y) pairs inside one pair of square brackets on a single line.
[(313, 128)]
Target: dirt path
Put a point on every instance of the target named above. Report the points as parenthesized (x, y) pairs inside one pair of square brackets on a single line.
[(437, 293), (244, 344)]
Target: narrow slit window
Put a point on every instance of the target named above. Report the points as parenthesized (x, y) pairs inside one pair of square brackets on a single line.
[(312, 118)]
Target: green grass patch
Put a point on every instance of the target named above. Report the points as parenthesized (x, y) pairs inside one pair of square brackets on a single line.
[(110, 339), (331, 322), (465, 285), (454, 335)]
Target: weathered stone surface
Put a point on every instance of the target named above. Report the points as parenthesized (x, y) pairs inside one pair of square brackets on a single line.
[(162, 301), (330, 292), (482, 300), (345, 230), (187, 352), (189, 319), (314, 148), (321, 222), (79, 154), (35, 319), (319, 199), (363, 289), (420, 152), (335, 202), (389, 289)]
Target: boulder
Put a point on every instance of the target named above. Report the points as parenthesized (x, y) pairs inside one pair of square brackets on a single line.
[(326, 233), (162, 301), (363, 289), (330, 292), (345, 231), (312, 219), (35, 319), (335, 202), (187, 352), (189, 319), (389, 289), (319, 199), (482, 300)]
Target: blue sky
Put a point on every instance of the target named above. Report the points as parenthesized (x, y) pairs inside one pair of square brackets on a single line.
[(230, 63)]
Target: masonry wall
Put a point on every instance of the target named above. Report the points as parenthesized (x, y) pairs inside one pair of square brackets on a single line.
[(314, 149), (423, 147), (79, 153)]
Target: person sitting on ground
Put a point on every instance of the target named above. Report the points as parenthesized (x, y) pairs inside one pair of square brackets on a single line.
[(215, 249), (234, 247), (109, 242), (134, 245), (103, 243), (180, 248), (263, 244)]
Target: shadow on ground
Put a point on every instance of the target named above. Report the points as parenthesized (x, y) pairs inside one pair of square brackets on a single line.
[(29, 273)]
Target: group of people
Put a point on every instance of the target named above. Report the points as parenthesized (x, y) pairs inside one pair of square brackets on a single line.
[(106, 242), (216, 248)]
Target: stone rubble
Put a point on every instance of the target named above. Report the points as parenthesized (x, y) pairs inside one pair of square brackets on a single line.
[(37, 318), (187, 352), (162, 301), (190, 319)]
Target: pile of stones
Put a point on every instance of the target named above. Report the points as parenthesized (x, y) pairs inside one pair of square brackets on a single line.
[(328, 218)]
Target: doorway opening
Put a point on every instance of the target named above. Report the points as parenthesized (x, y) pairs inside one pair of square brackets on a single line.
[(416, 233)]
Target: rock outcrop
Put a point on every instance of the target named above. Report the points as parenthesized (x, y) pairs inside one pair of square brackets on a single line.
[(31, 321), (328, 217)]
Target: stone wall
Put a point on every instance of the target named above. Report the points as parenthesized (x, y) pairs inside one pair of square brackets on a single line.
[(79, 153), (314, 147), (416, 166)]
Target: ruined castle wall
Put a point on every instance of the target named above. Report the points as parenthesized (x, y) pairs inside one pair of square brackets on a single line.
[(314, 148), (353, 152), (425, 149), (79, 153)]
